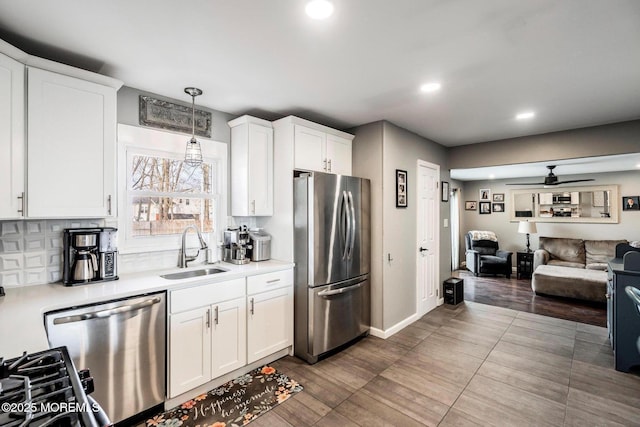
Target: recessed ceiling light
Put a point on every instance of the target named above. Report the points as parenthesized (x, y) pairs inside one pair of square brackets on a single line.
[(491, 176), (319, 9), (525, 115), (430, 87)]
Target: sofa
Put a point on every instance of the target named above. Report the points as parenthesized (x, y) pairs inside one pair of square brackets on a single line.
[(572, 268)]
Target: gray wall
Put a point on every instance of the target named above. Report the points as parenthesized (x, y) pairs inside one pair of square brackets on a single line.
[(618, 138), (378, 150), (627, 227), (128, 112)]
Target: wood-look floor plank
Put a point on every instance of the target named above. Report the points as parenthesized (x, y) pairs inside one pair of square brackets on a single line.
[(456, 368), (455, 418), (270, 419), (364, 410), (595, 354), (544, 327), (524, 380), (502, 404), (326, 389), (417, 406), (553, 321), (335, 419), (598, 407), (551, 343), (411, 335), (456, 345), (607, 383), (302, 409)]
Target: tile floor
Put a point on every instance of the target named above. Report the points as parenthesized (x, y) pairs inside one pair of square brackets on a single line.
[(473, 364)]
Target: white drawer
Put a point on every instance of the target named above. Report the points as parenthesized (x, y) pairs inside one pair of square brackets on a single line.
[(203, 295), (269, 281)]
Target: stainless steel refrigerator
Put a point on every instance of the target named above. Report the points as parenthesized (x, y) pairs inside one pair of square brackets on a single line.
[(332, 255)]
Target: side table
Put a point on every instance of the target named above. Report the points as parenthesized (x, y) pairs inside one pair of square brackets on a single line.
[(524, 265)]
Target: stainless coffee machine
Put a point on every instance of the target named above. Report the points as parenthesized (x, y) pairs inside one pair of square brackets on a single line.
[(236, 245), (90, 255)]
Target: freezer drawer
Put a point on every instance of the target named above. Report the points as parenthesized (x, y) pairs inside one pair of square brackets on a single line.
[(336, 314)]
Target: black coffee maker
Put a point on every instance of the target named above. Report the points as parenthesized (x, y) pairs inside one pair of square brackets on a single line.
[(90, 255)]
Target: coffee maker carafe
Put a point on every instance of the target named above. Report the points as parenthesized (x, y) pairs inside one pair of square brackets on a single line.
[(90, 255)]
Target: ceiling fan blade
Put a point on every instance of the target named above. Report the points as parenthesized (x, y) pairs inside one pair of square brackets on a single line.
[(574, 180), (526, 183)]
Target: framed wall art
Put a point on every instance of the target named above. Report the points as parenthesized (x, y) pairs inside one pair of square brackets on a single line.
[(498, 207), (630, 203), (485, 195), (498, 197), (485, 208), (401, 188), (445, 191), (167, 115), (471, 205)]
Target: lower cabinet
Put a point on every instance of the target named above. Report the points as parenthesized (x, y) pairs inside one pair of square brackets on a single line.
[(217, 328)]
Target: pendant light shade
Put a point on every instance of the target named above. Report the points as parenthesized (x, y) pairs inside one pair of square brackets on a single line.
[(193, 153)]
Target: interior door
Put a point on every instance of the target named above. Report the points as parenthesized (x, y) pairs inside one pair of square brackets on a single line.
[(428, 236)]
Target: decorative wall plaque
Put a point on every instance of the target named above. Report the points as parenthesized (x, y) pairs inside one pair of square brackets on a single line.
[(167, 115)]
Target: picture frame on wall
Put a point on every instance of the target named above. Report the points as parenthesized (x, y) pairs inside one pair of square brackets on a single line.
[(485, 194), (631, 203), (485, 208), (445, 191), (498, 197), (470, 205), (401, 188), (498, 207)]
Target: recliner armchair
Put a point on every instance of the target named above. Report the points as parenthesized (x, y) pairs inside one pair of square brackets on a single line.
[(484, 256)]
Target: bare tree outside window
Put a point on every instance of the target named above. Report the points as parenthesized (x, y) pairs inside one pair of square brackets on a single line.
[(167, 195)]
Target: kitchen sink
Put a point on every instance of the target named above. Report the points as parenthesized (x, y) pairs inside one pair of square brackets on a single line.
[(192, 273)]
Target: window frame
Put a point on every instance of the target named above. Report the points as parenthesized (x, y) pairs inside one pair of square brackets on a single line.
[(145, 141)]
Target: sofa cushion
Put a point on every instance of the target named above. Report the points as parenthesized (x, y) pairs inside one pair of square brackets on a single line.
[(600, 251), (490, 259), (580, 283), (562, 249), (602, 266), (565, 263), (485, 247)]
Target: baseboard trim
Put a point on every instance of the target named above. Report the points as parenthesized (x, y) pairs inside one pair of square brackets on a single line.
[(384, 334), (440, 301)]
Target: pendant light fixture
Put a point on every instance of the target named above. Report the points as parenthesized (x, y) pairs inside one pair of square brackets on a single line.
[(193, 154)]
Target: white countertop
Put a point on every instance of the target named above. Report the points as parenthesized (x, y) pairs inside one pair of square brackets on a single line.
[(22, 309)]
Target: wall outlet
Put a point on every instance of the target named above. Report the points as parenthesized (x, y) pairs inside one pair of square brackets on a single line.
[(446, 222)]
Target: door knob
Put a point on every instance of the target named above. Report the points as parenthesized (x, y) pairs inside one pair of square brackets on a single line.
[(423, 249)]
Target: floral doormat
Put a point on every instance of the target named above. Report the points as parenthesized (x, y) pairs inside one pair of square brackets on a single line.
[(234, 403)]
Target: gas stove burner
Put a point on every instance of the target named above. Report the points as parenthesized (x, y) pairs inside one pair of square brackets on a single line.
[(44, 389)]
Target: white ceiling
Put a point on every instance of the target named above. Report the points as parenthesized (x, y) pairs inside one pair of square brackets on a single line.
[(564, 169), (576, 63)]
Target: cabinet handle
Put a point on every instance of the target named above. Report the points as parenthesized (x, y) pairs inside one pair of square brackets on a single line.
[(215, 317), (109, 204), (251, 310), (324, 168), (253, 207), (329, 165), (608, 295), (273, 281), (21, 210), (208, 318)]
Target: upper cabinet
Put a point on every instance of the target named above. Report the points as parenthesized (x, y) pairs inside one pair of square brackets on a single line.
[(315, 147), (72, 136), (11, 138), (251, 167)]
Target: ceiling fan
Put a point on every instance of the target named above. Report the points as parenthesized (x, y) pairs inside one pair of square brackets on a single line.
[(551, 179)]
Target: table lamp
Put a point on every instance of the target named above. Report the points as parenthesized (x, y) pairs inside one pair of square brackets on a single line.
[(526, 227)]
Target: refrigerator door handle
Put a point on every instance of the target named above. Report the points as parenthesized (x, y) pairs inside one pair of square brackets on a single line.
[(344, 219), (352, 224), (340, 290)]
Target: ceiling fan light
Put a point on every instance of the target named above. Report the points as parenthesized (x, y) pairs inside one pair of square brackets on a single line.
[(525, 115)]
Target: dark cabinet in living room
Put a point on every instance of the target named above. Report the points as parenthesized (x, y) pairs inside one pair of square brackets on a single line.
[(623, 315)]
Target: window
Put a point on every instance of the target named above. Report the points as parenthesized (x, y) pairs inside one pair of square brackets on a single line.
[(160, 195)]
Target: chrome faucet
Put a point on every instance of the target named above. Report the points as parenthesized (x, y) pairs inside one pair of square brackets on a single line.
[(183, 259)]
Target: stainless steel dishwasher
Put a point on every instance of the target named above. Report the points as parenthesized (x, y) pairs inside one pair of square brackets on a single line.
[(122, 343)]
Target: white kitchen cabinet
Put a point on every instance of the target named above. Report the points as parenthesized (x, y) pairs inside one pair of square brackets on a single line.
[(270, 314), (321, 151), (251, 167), (72, 137), (207, 333), (12, 145)]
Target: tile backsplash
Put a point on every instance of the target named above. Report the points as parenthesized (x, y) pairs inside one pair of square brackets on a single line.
[(31, 250)]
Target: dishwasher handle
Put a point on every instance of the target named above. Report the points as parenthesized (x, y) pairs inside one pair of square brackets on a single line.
[(106, 313)]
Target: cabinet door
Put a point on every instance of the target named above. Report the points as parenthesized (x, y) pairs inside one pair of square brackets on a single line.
[(260, 170), (309, 149), (71, 128), (338, 155), (11, 138), (189, 350), (270, 323), (229, 338)]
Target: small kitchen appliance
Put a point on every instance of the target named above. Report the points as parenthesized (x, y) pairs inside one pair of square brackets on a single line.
[(90, 255), (236, 245), (259, 245)]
